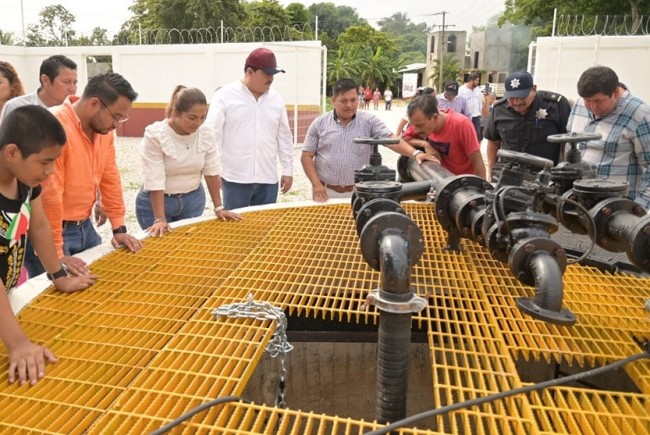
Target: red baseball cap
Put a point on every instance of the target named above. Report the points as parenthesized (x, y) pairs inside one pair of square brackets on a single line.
[(264, 59)]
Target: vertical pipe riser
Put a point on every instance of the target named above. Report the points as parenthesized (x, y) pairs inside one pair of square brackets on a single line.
[(393, 354)]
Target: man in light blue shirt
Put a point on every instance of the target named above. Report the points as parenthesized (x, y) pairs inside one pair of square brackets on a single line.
[(449, 99)]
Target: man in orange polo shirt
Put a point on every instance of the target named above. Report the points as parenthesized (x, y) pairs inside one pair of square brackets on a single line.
[(87, 164)]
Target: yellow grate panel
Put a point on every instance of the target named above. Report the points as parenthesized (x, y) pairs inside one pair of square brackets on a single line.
[(141, 347)]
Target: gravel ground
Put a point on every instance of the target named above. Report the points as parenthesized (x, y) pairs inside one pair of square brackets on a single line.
[(128, 161)]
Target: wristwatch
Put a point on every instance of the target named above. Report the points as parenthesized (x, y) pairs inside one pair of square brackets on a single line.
[(119, 230), (58, 274)]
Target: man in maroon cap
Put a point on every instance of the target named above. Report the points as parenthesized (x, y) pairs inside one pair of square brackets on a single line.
[(252, 133)]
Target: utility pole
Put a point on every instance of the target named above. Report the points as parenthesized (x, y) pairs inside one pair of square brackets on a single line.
[(22, 19), (442, 44)]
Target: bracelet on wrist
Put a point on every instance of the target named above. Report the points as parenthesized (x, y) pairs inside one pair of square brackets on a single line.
[(416, 152), (155, 221), (219, 208)]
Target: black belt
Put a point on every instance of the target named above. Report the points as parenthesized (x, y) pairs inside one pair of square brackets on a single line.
[(176, 195), (338, 189), (78, 223)]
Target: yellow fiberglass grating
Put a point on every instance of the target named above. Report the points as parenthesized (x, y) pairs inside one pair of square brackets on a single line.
[(567, 410), (141, 347), (29, 416)]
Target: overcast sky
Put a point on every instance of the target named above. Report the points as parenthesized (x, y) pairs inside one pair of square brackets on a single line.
[(110, 14)]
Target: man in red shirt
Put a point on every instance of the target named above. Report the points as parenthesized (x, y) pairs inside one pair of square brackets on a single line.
[(448, 134)]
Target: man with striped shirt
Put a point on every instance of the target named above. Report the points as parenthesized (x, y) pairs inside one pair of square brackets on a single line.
[(623, 120), (329, 155)]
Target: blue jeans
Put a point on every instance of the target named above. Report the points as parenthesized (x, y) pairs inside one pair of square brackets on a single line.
[(76, 239), (237, 195), (177, 206)]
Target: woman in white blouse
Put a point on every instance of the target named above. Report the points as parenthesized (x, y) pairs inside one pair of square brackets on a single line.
[(176, 152)]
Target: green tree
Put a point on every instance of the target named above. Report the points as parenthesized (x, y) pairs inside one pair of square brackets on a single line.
[(376, 51), (528, 11), (54, 28), (299, 14), (346, 64), (266, 13), (97, 37), (451, 69), (152, 15), (379, 70), (6, 38), (365, 36), (334, 20), (411, 38)]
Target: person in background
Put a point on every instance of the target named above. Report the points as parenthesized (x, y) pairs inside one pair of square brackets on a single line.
[(176, 152), (524, 118), (605, 106), (489, 98), (251, 127), (403, 123), (30, 141), (445, 134), (449, 99), (58, 79), (329, 155), (376, 98), (367, 97), (87, 165), (472, 94), (10, 84), (388, 98)]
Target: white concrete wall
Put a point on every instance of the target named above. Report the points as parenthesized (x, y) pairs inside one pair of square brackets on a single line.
[(154, 70), (560, 61)]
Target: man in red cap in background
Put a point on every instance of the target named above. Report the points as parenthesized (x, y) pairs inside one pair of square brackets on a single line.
[(252, 133)]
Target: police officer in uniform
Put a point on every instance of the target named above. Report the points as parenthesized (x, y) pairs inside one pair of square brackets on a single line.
[(524, 118)]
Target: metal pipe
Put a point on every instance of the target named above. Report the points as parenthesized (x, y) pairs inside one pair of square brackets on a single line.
[(410, 170), (395, 266), (416, 190), (546, 305), (394, 341), (549, 288)]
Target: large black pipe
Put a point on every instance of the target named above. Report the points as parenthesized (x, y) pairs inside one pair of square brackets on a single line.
[(547, 274), (394, 339)]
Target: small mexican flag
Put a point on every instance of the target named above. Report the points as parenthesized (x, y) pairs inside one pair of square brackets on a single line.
[(19, 224)]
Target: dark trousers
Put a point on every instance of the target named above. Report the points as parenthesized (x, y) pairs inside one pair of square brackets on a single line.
[(476, 120)]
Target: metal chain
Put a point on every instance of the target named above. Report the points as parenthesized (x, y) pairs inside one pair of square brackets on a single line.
[(278, 346)]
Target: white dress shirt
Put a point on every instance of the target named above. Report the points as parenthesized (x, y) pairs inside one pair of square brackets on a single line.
[(251, 134), (30, 99), (474, 99)]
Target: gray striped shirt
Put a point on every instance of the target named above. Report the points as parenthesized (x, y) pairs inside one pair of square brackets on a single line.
[(336, 155)]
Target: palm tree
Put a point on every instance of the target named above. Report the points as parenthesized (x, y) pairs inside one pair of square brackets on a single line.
[(451, 69), (378, 69), (345, 65)]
